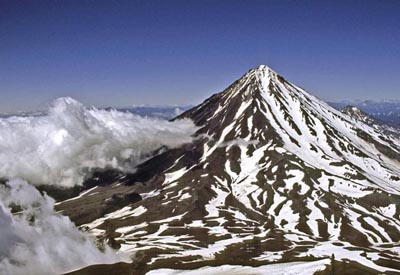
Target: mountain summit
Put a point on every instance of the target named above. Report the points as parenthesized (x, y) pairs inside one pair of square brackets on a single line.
[(274, 175)]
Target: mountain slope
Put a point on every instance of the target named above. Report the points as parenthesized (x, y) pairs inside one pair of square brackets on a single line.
[(379, 125), (274, 175)]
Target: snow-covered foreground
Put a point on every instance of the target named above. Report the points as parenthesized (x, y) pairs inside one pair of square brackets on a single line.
[(294, 268)]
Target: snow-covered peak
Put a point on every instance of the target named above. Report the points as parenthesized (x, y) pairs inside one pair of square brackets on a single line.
[(264, 68), (358, 114), (353, 109), (264, 73), (275, 174)]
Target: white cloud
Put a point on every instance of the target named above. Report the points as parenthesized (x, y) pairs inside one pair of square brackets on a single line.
[(37, 240), (61, 146)]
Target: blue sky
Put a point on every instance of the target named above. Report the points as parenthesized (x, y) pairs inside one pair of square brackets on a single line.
[(120, 53)]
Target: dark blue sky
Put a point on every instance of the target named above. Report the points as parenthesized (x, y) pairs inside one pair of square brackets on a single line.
[(121, 53)]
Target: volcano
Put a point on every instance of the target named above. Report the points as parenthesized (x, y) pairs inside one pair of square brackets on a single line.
[(274, 177)]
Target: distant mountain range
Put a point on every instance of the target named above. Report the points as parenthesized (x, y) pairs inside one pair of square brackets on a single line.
[(386, 111), (165, 112)]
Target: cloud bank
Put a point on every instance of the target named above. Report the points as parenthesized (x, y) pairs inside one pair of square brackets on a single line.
[(37, 240), (60, 147)]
